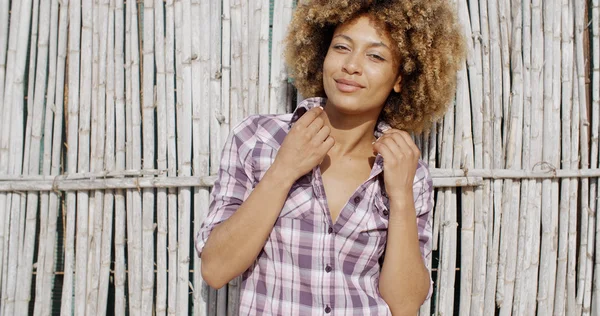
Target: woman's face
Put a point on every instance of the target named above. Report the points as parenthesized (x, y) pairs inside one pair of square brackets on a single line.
[(360, 69)]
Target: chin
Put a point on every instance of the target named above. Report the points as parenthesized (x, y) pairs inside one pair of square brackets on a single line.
[(351, 106)]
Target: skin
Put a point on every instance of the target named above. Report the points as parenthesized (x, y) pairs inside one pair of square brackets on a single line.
[(359, 72)]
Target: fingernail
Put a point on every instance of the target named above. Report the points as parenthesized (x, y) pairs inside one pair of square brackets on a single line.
[(373, 143), (321, 107)]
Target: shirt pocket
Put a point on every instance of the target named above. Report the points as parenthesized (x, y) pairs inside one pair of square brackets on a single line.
[(377, 224)]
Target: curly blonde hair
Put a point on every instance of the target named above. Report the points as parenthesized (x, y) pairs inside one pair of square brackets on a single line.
[(430, 49)]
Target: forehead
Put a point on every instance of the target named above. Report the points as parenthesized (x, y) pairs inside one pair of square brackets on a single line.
[(365, 26)]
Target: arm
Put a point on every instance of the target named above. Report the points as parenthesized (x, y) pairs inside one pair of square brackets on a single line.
[(238, 223), (404, 281), (234, 244)]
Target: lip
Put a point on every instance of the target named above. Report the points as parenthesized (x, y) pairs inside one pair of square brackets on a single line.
[(345, 85)]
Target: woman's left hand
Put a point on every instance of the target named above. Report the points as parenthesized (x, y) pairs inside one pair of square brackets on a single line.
[(400, 160)]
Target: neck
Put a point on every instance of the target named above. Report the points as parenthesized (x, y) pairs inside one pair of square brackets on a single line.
[(353, 134)]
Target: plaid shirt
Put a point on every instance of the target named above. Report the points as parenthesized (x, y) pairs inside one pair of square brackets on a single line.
[(310, 266)]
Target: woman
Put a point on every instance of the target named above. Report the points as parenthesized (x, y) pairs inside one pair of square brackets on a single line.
[(307, 205)]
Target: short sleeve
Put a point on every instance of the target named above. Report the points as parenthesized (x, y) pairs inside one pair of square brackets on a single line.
[(234, 181), (424, 209)]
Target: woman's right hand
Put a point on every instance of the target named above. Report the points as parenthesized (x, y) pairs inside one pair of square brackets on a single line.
[(305, 146)]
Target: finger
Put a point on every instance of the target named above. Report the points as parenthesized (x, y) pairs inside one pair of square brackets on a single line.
[(326, 145), (309, 116), (396, 149), (314, 127), (402, 138), (385, 152), (321, 135)]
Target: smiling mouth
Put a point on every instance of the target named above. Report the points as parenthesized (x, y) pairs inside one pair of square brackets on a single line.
[(347, 85)]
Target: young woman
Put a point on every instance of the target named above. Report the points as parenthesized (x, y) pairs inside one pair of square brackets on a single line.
[(328, 210)]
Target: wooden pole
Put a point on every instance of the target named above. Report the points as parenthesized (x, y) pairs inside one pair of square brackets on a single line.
[(565, 194), (149, 157), (120, 157), (171, 157), (4, 136), (584, 150), (52, 150), (72, 143), (184, 155), (572, 307), (201, 134), (161, 125)]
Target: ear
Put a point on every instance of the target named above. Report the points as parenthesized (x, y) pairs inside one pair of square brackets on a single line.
[(398, 85)]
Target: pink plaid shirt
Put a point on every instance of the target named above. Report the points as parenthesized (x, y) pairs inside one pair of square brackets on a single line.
[(309, 265)]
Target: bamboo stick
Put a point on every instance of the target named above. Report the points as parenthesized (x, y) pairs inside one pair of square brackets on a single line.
[(94, 210), (32, 52), (72, 143), (546, 271), (448, 229), (134, 280), (24, 273), (584, 151), (595, 302), (436, 173), (15, 93), (52, 143), (120, 158), (490, 31), (572, 257), (254, 25), (184, 138), (567, 103), (520, 286), (534, 194), (171, 158), (219, 128), (244, 11), (201, 134), (468, 195), (134, 212), (508, 147), (514, 161), (148, 142), (223, 116), (83, 159), (479, 132), (161, 125), (278, 87), (4, 27), (236, 107), (263, 65), (109, 158), (215, 86), (100, 29), (4, 136)]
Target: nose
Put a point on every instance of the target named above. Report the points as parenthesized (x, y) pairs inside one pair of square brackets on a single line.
[(352, 64)]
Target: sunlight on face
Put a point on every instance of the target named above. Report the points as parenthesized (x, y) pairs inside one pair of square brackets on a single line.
[(360, 69)]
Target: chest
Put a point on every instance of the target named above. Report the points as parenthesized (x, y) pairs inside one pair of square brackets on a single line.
[(340, 182)]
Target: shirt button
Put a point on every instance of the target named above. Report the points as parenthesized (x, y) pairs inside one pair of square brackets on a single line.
[(357, 199), (328, 268), (386, 212), (330, 230), (327, 309)]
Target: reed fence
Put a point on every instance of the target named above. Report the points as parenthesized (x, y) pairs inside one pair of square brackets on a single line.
[(113, 114)]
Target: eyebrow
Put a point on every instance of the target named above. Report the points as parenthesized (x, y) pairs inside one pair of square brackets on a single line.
[(372, 44)]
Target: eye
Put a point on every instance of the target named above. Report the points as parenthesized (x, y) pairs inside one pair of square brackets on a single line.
[(377, 57), (340, 47)]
